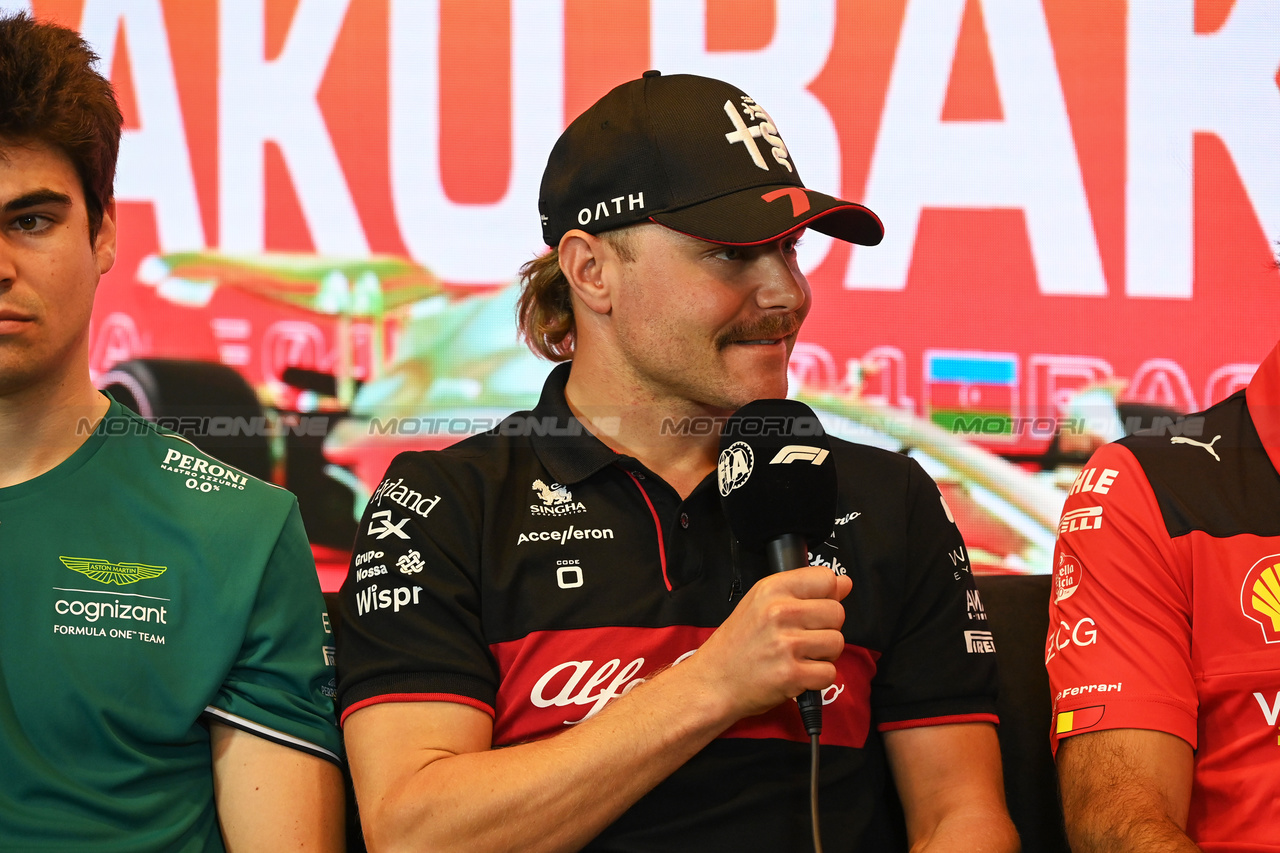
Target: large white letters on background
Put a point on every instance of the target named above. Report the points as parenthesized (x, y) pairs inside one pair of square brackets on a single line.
[(777, 77), (472, 242), (261, 101), (154, 164), (1181, 83), (1026, 161)]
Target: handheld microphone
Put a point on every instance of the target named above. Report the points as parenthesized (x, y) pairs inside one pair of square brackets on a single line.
[(778, 489)]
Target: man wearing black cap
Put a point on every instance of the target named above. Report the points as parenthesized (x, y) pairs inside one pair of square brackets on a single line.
[(567, 588)]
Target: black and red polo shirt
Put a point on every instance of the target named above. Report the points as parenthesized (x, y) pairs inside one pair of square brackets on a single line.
[(1165, 612), (535, 574)]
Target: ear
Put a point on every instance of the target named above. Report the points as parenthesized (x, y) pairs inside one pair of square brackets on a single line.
[(586, 260), (104, 243)]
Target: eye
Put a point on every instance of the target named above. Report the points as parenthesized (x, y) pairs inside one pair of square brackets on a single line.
[(30, 222), (729, 253)]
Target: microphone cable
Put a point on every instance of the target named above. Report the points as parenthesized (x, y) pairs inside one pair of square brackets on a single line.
[(810, 703), (813, 792)]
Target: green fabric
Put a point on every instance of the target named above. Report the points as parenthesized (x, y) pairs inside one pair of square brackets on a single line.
[(104, 742)]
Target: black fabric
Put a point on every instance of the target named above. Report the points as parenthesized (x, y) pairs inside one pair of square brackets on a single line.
[(1017, 608), (473, 602), (694, 154), (1199, 486)]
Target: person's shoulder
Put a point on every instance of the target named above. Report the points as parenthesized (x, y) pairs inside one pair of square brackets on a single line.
[(870, 461), (155, 457), (1207, 471), (478, 459), (1184, 450)]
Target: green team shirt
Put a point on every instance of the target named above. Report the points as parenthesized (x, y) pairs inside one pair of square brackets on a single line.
[(146, 590)]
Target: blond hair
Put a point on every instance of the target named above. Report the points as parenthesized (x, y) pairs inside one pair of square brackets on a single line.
[(544, 312)]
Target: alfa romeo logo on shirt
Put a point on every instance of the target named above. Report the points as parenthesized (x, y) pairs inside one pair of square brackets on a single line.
[(104, 571)]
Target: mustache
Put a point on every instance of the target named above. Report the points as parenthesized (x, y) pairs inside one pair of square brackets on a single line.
[(769, 327)]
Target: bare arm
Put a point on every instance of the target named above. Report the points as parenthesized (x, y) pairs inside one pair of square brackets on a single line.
[(272, 797), (1126, 789), (426, 777), (952, 788)]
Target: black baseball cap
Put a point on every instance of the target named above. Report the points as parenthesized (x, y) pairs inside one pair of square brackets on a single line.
[(694, 154)]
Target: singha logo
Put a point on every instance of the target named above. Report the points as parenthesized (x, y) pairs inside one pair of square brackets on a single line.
[(553, 494), (556, 500)]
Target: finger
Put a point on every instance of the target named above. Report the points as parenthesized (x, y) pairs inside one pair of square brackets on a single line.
[(819, 646), (807, 582)]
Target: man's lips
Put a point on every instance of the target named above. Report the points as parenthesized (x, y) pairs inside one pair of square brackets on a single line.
[(13, 321)]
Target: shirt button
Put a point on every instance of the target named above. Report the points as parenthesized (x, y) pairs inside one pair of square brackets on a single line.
[(639, 475), (684, 519)]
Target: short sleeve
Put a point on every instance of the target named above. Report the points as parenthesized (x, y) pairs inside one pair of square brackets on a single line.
[(940, 666), (281, 686), (411, 628), (1119, 644)]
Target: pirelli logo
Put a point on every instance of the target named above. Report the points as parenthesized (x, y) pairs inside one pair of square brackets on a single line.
[(979, 642)]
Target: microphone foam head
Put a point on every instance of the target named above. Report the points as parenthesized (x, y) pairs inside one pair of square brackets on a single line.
[(775, 474)]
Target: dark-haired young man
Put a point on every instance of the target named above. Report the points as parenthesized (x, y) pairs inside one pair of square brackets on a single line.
[(567, 588), (163, 672)]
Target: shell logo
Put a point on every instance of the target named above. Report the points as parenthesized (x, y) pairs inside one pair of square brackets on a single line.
[(1260, 596)]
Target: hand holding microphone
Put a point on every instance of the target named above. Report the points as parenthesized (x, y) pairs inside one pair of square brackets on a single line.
[(778, 489)]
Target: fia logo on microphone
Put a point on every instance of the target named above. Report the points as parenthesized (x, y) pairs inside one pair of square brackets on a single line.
[(736, 462)]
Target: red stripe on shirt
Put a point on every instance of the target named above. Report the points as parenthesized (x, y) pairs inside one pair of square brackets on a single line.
[(416, 697), (937, 721)]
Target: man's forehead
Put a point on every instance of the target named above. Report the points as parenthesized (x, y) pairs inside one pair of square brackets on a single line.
[(35, 169)]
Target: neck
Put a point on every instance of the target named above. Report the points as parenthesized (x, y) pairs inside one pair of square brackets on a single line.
[(665, 434), (41, 426)]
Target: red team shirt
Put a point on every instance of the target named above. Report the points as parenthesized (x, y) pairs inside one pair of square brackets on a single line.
[(1165, 611)]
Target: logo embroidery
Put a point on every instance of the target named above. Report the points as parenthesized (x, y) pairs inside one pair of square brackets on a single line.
[(1260, 597), (799, 453), (1066, 580), (748, 135), (556, 500), (410, 563), (979, 642), (734, 468), (799, 201), (384, 528), (1088, 518), (104, 571), (1180, 439)]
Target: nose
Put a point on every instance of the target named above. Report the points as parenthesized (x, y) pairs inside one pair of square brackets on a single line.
[(7, 270), (784, 286)]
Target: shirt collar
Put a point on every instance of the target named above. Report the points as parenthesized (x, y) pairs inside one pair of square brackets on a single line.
[(567, 448), (1263, 400)]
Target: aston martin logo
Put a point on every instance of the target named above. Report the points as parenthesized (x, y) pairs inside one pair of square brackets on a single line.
[(112, 573)]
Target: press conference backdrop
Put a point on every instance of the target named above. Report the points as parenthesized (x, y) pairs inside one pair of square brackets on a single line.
[(330, 200)]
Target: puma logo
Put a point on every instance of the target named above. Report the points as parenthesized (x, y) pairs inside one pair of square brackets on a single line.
[(1179, 439)]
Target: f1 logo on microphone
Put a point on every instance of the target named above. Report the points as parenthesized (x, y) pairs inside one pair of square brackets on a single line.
[(799, 453)]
